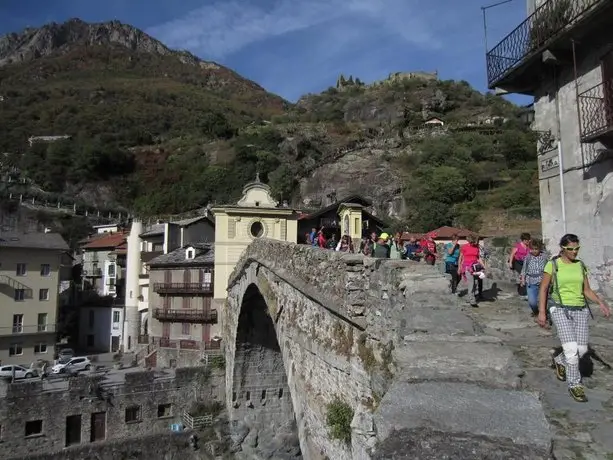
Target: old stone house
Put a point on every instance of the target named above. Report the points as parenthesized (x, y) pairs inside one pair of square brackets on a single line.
[(562, 55), (180, 299)]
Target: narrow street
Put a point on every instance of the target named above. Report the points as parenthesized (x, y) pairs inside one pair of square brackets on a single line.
[(580, 431)]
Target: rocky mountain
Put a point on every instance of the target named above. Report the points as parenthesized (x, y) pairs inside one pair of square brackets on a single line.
[(137, 114)]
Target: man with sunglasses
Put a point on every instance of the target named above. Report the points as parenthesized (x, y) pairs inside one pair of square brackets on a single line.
[(569, 311)]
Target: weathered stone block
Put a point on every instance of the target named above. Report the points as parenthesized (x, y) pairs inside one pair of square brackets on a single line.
[(483, 417)]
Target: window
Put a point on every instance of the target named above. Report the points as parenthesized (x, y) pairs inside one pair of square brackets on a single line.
[(116, 316), (90, 340), (164, 410), (190, 254), (256, 229), (186, 329), (92, 318), (42, 322), (21, 270), (34, 427), (15, 349), (17, 324), (111, 270), (40, 348), (45, 270), (43, 294), (20, 295), (133, 414)]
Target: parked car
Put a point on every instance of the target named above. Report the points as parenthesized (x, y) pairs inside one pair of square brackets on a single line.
[(65, 355), (20, 372), (73, 365)]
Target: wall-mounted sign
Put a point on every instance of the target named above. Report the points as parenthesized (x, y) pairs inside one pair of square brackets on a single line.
[(549, 164)]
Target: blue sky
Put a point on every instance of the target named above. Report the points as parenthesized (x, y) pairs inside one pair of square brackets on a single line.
[(292, 47)]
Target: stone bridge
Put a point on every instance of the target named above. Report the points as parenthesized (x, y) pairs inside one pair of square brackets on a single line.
[(337, 356)]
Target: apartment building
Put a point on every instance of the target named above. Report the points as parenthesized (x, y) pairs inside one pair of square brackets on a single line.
[(103, 263), (562, 55), (163, 238), (181, 294), (30, 267)]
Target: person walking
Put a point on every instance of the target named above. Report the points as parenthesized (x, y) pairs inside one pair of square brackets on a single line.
[(532, 274), (452, 255), (517, 256), (569, 311), (470, 268)]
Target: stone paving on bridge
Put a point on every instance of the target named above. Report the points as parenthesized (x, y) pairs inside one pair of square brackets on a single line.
[(580, 431)]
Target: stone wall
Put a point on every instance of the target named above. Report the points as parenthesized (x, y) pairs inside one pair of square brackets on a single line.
[(52, 401), (167, 357), (386, 339), (162, 446)]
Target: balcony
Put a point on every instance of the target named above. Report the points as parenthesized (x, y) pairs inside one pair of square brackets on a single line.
[(143, 339), (16, 285), (183, 288), (185, 315), (596, 112), (515, 64), (21, 329), (166, 342), (92, 273)]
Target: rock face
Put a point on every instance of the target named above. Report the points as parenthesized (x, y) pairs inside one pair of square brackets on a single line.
[(367, 170), (419, 375), (51, 38)]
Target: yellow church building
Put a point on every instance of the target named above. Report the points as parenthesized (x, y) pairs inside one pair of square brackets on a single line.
[(256, 215)]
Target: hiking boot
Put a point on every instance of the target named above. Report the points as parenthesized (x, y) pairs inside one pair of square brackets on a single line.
[(560, 370), (578, 393)]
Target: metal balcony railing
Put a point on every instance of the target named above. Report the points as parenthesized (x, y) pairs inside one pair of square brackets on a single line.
[(16, 286), (92, 272), (534, 34), (143, 339), (23, 329), (596, 111), (185, 315), (183, 288), (166, 342)]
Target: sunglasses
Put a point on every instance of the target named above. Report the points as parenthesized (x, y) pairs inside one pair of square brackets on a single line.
[(571, 248)]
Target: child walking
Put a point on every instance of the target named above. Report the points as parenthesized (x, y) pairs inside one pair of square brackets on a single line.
[(532, 273)]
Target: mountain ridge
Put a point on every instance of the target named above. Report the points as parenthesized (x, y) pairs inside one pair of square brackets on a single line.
[(139, 113)]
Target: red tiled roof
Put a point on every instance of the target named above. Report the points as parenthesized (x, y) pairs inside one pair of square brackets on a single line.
[(408, 235), (446, 232), (110, 240)]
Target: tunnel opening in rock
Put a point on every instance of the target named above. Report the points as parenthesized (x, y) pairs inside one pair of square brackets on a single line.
[(264, 418)]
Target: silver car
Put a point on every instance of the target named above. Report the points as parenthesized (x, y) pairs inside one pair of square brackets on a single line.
[(20, 372)]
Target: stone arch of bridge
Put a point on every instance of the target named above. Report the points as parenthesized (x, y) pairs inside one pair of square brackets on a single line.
[(261, 396)]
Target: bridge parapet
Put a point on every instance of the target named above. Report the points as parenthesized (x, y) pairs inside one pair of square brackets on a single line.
[(387, 339), (344, 279)]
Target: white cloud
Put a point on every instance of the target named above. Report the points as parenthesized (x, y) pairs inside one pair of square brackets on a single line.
[(221, 28)]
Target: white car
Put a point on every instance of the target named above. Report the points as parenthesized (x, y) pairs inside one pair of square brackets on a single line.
[(74, 365), (20, 372)]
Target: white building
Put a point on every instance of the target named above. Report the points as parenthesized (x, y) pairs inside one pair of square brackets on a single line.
[(100, 329), (562, 55), (157, 239)]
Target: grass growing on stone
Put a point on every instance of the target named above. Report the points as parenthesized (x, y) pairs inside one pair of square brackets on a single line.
[(218, 362), (338, 418), (366, 353)]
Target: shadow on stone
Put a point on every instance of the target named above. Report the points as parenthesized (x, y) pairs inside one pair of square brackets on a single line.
[(263, 418)]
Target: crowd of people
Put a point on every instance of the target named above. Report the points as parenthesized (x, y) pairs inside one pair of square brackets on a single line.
[(383, 246), (557, 289)]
